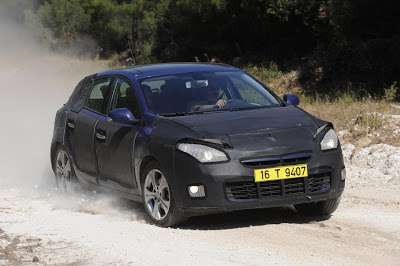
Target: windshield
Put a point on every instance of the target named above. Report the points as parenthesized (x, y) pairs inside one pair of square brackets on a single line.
[(199, 92)]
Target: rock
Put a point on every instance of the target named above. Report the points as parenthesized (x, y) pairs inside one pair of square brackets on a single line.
[(363, 142), (373, 150), (395, 106), (354, 153), (15, 241), (35, 259)]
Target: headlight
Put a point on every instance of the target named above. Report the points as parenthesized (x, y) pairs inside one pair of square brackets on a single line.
[(203, 153), (330, 140)]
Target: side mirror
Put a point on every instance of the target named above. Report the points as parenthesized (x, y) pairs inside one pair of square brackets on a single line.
[(291, 99), (122, 116)]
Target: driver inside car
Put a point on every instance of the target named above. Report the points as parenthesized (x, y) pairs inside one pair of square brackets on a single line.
[(209, 99)]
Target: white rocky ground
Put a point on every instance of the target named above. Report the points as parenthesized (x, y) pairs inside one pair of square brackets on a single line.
[(374, 166)]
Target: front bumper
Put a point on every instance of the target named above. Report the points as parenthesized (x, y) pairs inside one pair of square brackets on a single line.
[(230, 185)]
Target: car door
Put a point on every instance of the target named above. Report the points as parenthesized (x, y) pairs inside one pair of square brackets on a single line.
[(115, 152), (81, 129)]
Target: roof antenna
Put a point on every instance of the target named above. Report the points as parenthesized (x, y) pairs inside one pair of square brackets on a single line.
[(130, 48)]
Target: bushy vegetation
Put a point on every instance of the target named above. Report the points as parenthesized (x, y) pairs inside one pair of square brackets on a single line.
[(332, 43)]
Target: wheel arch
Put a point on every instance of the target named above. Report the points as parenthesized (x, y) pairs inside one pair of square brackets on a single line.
[(53, 150), (143, 164)]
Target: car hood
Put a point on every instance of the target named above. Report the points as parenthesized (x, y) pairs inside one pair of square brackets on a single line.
[(255, 132)]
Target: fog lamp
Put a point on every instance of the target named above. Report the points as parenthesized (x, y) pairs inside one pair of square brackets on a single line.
[(197, 191), (343, 173)]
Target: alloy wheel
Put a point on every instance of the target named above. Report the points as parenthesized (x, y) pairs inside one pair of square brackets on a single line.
[(156, 194), (63, 171)]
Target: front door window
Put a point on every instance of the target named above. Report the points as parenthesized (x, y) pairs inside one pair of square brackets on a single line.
[(125, 97)]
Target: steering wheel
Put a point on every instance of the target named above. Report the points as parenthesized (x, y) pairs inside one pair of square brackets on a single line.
[(232, 101)]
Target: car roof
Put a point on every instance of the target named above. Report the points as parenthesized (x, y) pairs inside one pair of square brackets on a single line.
[(168, 68)]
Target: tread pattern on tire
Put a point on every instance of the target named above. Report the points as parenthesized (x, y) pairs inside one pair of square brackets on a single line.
[(320, 208)]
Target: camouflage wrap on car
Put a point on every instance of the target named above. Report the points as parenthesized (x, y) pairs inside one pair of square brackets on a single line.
[(81, 93)]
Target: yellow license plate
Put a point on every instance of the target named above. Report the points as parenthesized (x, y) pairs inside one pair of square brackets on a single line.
[(282, 172)]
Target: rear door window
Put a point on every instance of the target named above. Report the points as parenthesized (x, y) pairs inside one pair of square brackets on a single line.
[(98, 95)]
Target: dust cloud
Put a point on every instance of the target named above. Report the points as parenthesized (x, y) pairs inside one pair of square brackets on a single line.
[(35, 83)]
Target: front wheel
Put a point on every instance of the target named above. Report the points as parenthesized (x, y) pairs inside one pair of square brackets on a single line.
[(158, 198), (320, 208)]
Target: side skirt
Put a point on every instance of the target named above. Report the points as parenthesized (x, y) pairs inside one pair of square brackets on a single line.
[(96, 187)]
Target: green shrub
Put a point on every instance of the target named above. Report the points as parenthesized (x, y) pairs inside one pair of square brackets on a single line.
[(391, 92)]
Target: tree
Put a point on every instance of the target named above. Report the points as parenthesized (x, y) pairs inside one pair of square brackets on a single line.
[(63, 17)]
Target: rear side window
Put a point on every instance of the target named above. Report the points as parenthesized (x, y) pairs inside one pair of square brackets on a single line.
[(97, 95)]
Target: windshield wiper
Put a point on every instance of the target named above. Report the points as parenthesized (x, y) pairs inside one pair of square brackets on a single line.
[(176, 114), (201, 112), (221, 110)]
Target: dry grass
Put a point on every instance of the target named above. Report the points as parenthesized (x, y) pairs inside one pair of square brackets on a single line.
[(359, 118), (340, 113)]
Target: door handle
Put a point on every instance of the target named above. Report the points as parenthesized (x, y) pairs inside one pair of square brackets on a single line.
[(71, 124), (100, 136)]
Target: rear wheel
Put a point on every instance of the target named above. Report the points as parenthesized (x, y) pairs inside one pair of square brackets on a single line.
[(158, 198), (320, 208), (64, 174)]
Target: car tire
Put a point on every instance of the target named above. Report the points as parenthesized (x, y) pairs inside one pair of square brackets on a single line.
[(320, 208), (158, 198), (63, 170)]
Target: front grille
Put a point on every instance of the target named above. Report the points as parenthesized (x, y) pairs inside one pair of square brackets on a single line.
[(250, 190), (241, 190), (319, 182), (294, 186), (296, 158), (289, 159), (261, 162), (270, 189)]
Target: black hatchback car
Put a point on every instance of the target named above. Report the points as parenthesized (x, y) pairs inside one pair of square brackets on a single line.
[(189, 139)]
